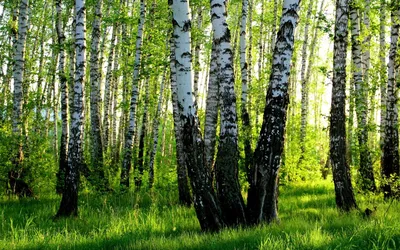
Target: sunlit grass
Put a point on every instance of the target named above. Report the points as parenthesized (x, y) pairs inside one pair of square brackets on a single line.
[(154, 220)]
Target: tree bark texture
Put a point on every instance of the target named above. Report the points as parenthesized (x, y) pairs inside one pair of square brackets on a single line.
[(95, 119), (226, 165), (262, 196), (361, 102), (205, 201), (127, 151), (63, 162), (345, 199), (390, 157), (69, 202), (183, 186)]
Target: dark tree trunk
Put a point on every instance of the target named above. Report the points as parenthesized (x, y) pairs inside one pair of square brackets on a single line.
[(263, 196), (390, 157), (345, 199)]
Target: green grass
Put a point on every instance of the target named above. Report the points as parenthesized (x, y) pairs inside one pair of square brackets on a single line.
[(309, 220)]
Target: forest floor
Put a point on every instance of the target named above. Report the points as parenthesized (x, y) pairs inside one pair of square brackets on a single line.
[(309, 220)]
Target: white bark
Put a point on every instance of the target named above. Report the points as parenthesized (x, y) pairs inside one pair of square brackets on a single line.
[(107, 86), (95, 79), (341, 173), (226, 168), (205, 203), (126, 163), (18, 69), (64, 99)]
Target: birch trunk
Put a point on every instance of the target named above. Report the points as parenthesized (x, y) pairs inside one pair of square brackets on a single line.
[(183, 187), (107, 88), (361, 99), (382, 71), (246, 126), (226, 165), (345, 199), (156, 124), (206, 204), (304, 86), (390, 157), (142, 135), (127, 151), (18, 100), (69, 202), (63, 163), (210, 127), (95, 78), (262, 196)]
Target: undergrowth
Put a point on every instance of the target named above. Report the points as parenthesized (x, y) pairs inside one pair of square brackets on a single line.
[(154, 220)]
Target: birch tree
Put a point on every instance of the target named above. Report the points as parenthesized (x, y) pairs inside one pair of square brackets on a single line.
[(226, 165), (361, 101), (304, 85), (95, 119), (63, 162), (127, 151), (69, 201), (183, 186), (205, 201), (390, 157), (262, 196), (345, 199), (18, 101), (243, 68)]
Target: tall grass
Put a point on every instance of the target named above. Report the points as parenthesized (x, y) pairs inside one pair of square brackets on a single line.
[(154, 220)]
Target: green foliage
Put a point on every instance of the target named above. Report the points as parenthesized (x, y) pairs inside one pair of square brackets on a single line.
[(154, 220)]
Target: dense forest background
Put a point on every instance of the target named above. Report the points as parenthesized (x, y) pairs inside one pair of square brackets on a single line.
[(220, 104)]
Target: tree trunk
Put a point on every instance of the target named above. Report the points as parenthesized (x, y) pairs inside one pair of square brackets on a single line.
[(107, 88), (345, 199), (262, 196), (183, 187), (226, 165), (390, 157), (127, 151), (141, 154), (69, 202), (206, 204), (304, 86), (18, 100), (246, 126), (95, 78), (382, 70), (63, 162), (156, 124), (361, 99)]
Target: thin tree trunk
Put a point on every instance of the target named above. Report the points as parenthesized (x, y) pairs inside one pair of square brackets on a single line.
[(246, 126), (69, 202), (140, 165), (210, 127), (156, 124), (107, 88), (382, 70), (18, 95), (390, 157), (127, 151), (361, 101), (95, 78), (304, 86), (63, 163), (262, 196), (345, 199)]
